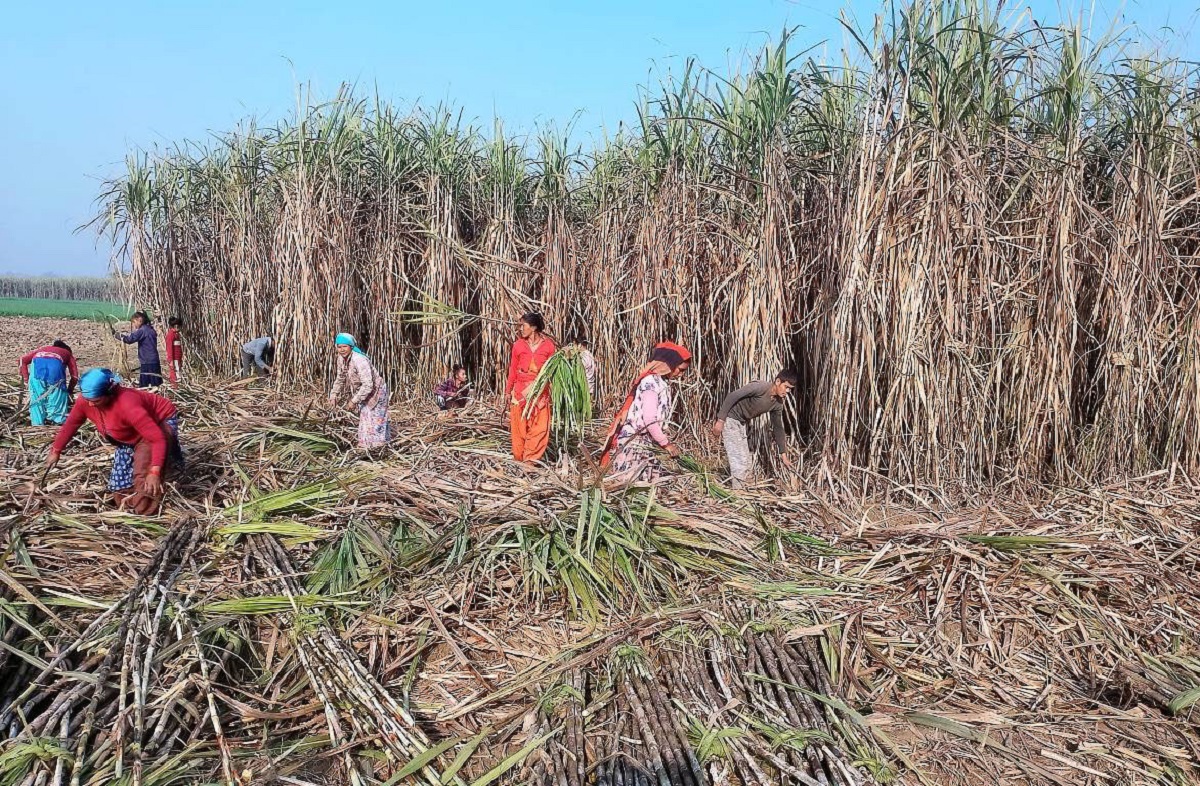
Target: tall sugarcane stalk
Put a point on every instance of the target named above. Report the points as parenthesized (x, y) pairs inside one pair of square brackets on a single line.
[(976, 248)]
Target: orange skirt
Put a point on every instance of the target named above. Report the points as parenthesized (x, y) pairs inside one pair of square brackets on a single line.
[(531, 435)]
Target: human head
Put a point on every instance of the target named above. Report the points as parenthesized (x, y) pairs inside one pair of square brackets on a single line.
[(674, 356), (98, 385), (175, 322), (344, 343), (531, 322), (58, 342), (459, 373), (140, 318), (785, 382)]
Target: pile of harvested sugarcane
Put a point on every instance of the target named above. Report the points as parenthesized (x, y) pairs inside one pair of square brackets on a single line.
[(349, 694), (754, 709), (124, 695)]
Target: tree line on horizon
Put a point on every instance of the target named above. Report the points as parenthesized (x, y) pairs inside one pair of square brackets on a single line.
[(53, 287)]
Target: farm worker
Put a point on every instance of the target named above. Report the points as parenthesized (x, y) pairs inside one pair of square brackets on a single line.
[(175, 350), (146, 338), (454, 392), (744, 405), (638, 432), (359, 378), (588, 361), (52, 375), (258, 355), (142, 425), (530, 433)]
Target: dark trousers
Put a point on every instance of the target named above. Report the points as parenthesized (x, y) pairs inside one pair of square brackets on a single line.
[(445, 403), (149, 375)]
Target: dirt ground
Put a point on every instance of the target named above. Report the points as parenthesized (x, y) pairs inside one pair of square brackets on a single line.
[(90, 341)]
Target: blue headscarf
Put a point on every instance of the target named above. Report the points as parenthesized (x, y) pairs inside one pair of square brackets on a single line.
[(347, 340), (97, 383)]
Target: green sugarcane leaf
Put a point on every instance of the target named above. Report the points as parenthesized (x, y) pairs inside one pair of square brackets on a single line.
[(1184, 700), (422, 760), (494, 774), (463, 755)]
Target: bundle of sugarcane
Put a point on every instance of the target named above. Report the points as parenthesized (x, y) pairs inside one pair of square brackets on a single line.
[(732, 710), (564, 757), (668, 752), (95, 729), (16, 624), (640, 735), (346, 689), (564, 377), (784, 682)]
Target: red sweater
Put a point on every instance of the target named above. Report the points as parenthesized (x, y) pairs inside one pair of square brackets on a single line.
[(525, 365), (174, 346), (52, 351), (130, 417)]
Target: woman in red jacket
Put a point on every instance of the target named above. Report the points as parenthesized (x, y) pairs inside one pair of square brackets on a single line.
[(530, 434), (143, 426)]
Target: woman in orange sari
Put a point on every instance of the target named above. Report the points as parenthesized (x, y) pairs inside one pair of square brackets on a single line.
[(530, 434)]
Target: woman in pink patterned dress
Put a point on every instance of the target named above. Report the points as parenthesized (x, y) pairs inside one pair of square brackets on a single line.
[(359, 378), (638, 434)]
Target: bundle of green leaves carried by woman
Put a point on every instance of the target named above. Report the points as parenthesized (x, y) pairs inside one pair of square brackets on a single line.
[(570, 399)]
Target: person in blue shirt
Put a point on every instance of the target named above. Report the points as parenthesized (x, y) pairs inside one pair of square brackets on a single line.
[(51, 374), (258, 356), (146, 338)]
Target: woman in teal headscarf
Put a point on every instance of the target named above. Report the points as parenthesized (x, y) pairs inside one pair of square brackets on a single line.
[(368, 393)]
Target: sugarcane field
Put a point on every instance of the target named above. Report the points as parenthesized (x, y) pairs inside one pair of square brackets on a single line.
[(836, 423)]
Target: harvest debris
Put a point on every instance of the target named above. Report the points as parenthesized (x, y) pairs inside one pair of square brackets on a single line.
[(309, 614)]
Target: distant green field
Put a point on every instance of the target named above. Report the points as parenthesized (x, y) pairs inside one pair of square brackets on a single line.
[(62, 309)]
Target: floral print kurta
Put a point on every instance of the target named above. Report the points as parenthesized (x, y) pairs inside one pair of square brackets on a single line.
[(640, 436), (369, 393)]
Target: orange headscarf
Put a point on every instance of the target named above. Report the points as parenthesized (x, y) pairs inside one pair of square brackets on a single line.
[(664, 358)]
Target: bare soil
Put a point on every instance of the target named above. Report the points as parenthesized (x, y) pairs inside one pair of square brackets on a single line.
[(90, 341)]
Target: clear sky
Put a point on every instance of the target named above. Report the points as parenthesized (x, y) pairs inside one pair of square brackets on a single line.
[(84, 82)]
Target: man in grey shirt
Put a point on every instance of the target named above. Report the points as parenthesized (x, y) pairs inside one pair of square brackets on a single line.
[(258, 356), (744, 405)]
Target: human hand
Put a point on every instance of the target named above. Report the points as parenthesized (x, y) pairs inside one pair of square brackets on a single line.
[(787, 461), (52, 460), (152, 486), (672, 450), (718, 427), (352, 407)]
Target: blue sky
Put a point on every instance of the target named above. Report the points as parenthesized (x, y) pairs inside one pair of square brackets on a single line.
[(85, 82)]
